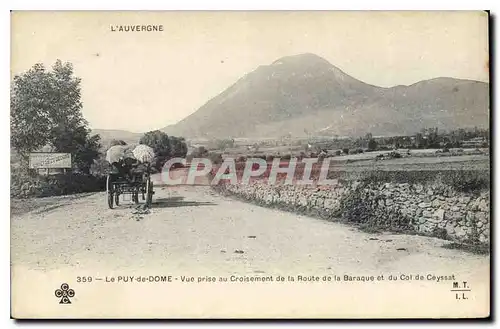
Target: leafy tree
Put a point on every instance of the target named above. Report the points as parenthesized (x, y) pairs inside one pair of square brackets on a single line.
[(420, 141), (222, 144), (46, 109), (178, 147), (160, 143), (372, 145), (115, 142), (200, 151), (165, 147), (30, 122)]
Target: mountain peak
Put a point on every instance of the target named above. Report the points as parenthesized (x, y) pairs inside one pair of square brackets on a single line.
[(302, 59)]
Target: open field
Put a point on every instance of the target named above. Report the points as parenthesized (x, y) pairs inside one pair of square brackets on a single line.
[(464, 162), (297, 150)]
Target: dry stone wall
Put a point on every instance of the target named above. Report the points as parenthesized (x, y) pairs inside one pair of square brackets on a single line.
[(431, 209)]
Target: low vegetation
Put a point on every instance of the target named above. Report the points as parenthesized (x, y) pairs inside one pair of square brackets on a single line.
[(470, 181), (24, 185)]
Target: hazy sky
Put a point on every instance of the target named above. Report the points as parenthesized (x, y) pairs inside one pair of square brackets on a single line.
[(140, 81)]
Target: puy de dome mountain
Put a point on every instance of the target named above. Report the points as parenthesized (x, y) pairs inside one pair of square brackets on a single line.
[(306, 95)]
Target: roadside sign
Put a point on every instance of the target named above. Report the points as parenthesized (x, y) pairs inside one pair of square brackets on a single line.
[(48, 160)]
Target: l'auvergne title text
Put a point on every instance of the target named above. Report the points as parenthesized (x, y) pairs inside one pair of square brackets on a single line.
[(136, 28)]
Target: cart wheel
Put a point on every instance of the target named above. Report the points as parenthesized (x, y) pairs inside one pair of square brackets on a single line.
[(117, 199), (109, 192), (149, 192)]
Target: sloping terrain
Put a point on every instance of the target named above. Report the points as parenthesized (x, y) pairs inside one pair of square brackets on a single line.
[(305, 94)]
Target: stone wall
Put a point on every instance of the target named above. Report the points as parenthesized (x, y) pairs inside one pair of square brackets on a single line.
[(433, 208)]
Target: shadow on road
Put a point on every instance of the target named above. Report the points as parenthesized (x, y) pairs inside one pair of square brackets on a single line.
[(178, 201), (48, 208), (44, 204)]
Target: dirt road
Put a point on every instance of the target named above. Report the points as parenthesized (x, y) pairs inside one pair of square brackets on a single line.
[(192, 230)]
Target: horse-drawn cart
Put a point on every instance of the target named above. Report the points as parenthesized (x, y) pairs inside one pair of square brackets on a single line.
[(129, 175)]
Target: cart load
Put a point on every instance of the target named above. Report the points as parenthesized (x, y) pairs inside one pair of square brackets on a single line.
[(119, 153), (143, 153)]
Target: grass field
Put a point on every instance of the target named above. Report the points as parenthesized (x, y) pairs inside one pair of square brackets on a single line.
[(413, 168), (464, 162)]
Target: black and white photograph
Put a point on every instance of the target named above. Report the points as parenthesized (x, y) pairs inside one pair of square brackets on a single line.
[(250, 164)]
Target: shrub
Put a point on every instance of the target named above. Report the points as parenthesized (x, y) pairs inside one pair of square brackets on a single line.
[(459, 180), (241, 159), (199, 152), (467, 181), (24, 185), (372, 145), (395, 155), (215, 158), (357, 207)]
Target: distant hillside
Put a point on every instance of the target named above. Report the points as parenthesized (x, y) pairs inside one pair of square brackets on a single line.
[(306, 95)]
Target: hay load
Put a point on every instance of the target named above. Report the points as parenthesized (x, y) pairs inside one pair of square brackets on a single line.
[(144, 153), (116, 153)]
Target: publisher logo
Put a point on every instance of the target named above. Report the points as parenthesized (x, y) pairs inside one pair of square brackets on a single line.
[(65, 293)]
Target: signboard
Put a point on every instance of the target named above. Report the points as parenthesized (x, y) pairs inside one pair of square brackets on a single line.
[(50, 160)]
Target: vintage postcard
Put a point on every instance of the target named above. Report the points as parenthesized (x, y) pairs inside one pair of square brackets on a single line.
[(260, 164)]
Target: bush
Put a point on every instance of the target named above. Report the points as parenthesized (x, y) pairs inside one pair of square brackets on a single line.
[(395, 155), (372, 145), (358, 208), (269, 158), (199, 152), (459, 180), (467, 181), (215, 158), (241, 159), (24, 185)]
